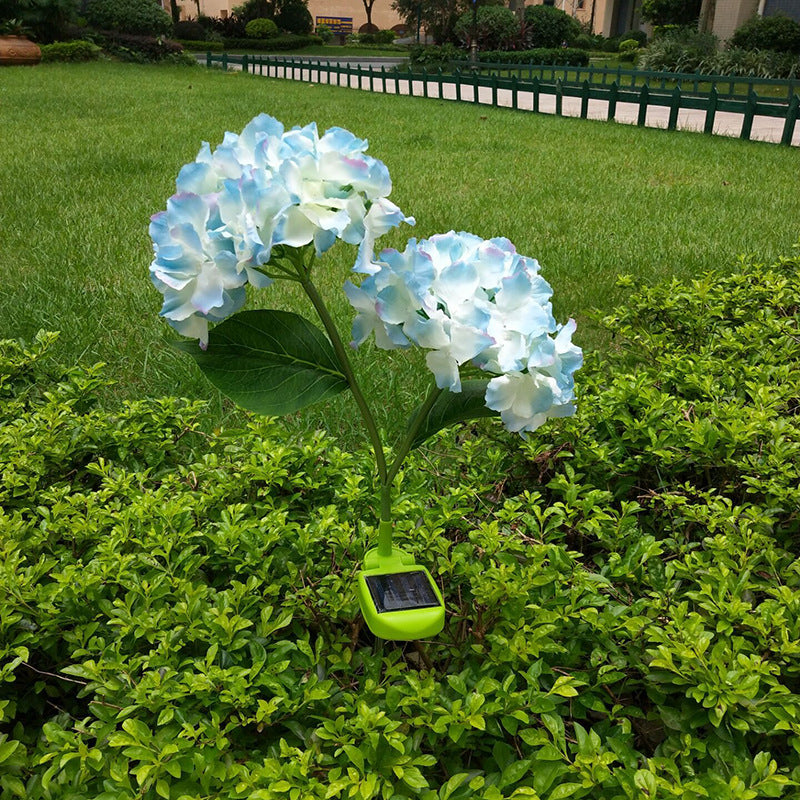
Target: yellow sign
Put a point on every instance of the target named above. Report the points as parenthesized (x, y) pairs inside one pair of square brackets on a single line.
[(336, 24)]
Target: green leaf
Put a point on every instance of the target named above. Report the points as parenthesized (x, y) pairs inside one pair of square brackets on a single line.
[(7, 749), (451, 407), (270, 362)]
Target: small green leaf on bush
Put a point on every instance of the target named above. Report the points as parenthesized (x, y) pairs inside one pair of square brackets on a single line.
[(449, 408), (270, 362)]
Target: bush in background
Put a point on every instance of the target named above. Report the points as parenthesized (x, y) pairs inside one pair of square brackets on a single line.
[(286, 41), (628, 49), (79, 50), (778, 33), (143, 49), (190, 29), (324, 32), (47, 20), (678, 50), (497, 28), (547, 26), (561, 56), (260, 28), (139, 17)]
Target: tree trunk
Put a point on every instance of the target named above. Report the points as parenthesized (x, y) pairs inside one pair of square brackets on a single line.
[(707, 12), (368, 8)]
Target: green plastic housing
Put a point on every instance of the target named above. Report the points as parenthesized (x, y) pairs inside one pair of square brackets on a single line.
[(404, 625)]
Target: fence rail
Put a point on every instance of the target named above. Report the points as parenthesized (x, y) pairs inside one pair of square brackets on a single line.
[(727, 86), (527, 93)]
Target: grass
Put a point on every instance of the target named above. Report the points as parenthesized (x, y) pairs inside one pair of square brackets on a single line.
[(91, 151)]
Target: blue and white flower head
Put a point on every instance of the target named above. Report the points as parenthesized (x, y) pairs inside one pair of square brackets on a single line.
[(258, 189), (470, 300)]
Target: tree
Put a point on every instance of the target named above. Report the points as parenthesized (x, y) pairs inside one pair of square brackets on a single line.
[(368, 8), (670, 12), (46, 18), (438, 17)]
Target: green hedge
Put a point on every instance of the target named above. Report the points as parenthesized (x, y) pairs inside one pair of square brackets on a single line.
[(563, 56), (623, 591), (287, 41), (70, 51), (432, 55)]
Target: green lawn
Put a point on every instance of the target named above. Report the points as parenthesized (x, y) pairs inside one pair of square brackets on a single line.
[(91, 151)]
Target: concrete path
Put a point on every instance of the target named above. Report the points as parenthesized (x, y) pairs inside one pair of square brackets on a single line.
[(767, 129)]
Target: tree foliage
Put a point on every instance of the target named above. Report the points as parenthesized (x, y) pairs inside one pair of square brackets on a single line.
[(547, 26), (46, 19), (670, 12), (437, 17), (497, 28)]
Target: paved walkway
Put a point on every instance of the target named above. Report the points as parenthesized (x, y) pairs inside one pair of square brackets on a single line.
[(767, 129)]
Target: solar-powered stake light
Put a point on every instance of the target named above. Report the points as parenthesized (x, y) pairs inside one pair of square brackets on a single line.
[(262, 207)]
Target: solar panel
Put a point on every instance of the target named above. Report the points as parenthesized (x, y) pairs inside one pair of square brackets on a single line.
[(401, 591)]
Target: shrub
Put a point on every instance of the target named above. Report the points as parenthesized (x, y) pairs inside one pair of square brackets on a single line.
[(70, 51), (140, 17), (497, 28), (324, 32), (778, 33), (563, 56), (232, 27), (585, 42), (202, 46), (282, 42), (294, 17), (623, 589), (678, 50), (377, 38), (547, 26), (434, 55), (261, 28), (190, 29), (628, 48), (751, 63), (143, 49), (639, 36)]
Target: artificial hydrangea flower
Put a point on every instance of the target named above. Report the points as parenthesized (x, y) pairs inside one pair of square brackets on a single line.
[(258, 189), (468, 300)]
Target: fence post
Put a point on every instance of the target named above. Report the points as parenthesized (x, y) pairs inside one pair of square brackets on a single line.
[(612, 100), (749, 113), (644, 96), (424, 82), (208, 59), (585, 100), (410, 81), (383, 77), (244, 63), (225, 62), (457, 76), (494, 90), (514, 91), (711, 111), (535, 84), (674, 107), (791, 118), (475, 87), (439, 79), (559, 97)]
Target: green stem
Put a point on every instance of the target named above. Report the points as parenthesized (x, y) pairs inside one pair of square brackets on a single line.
[(411, 433), (347, 369)]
